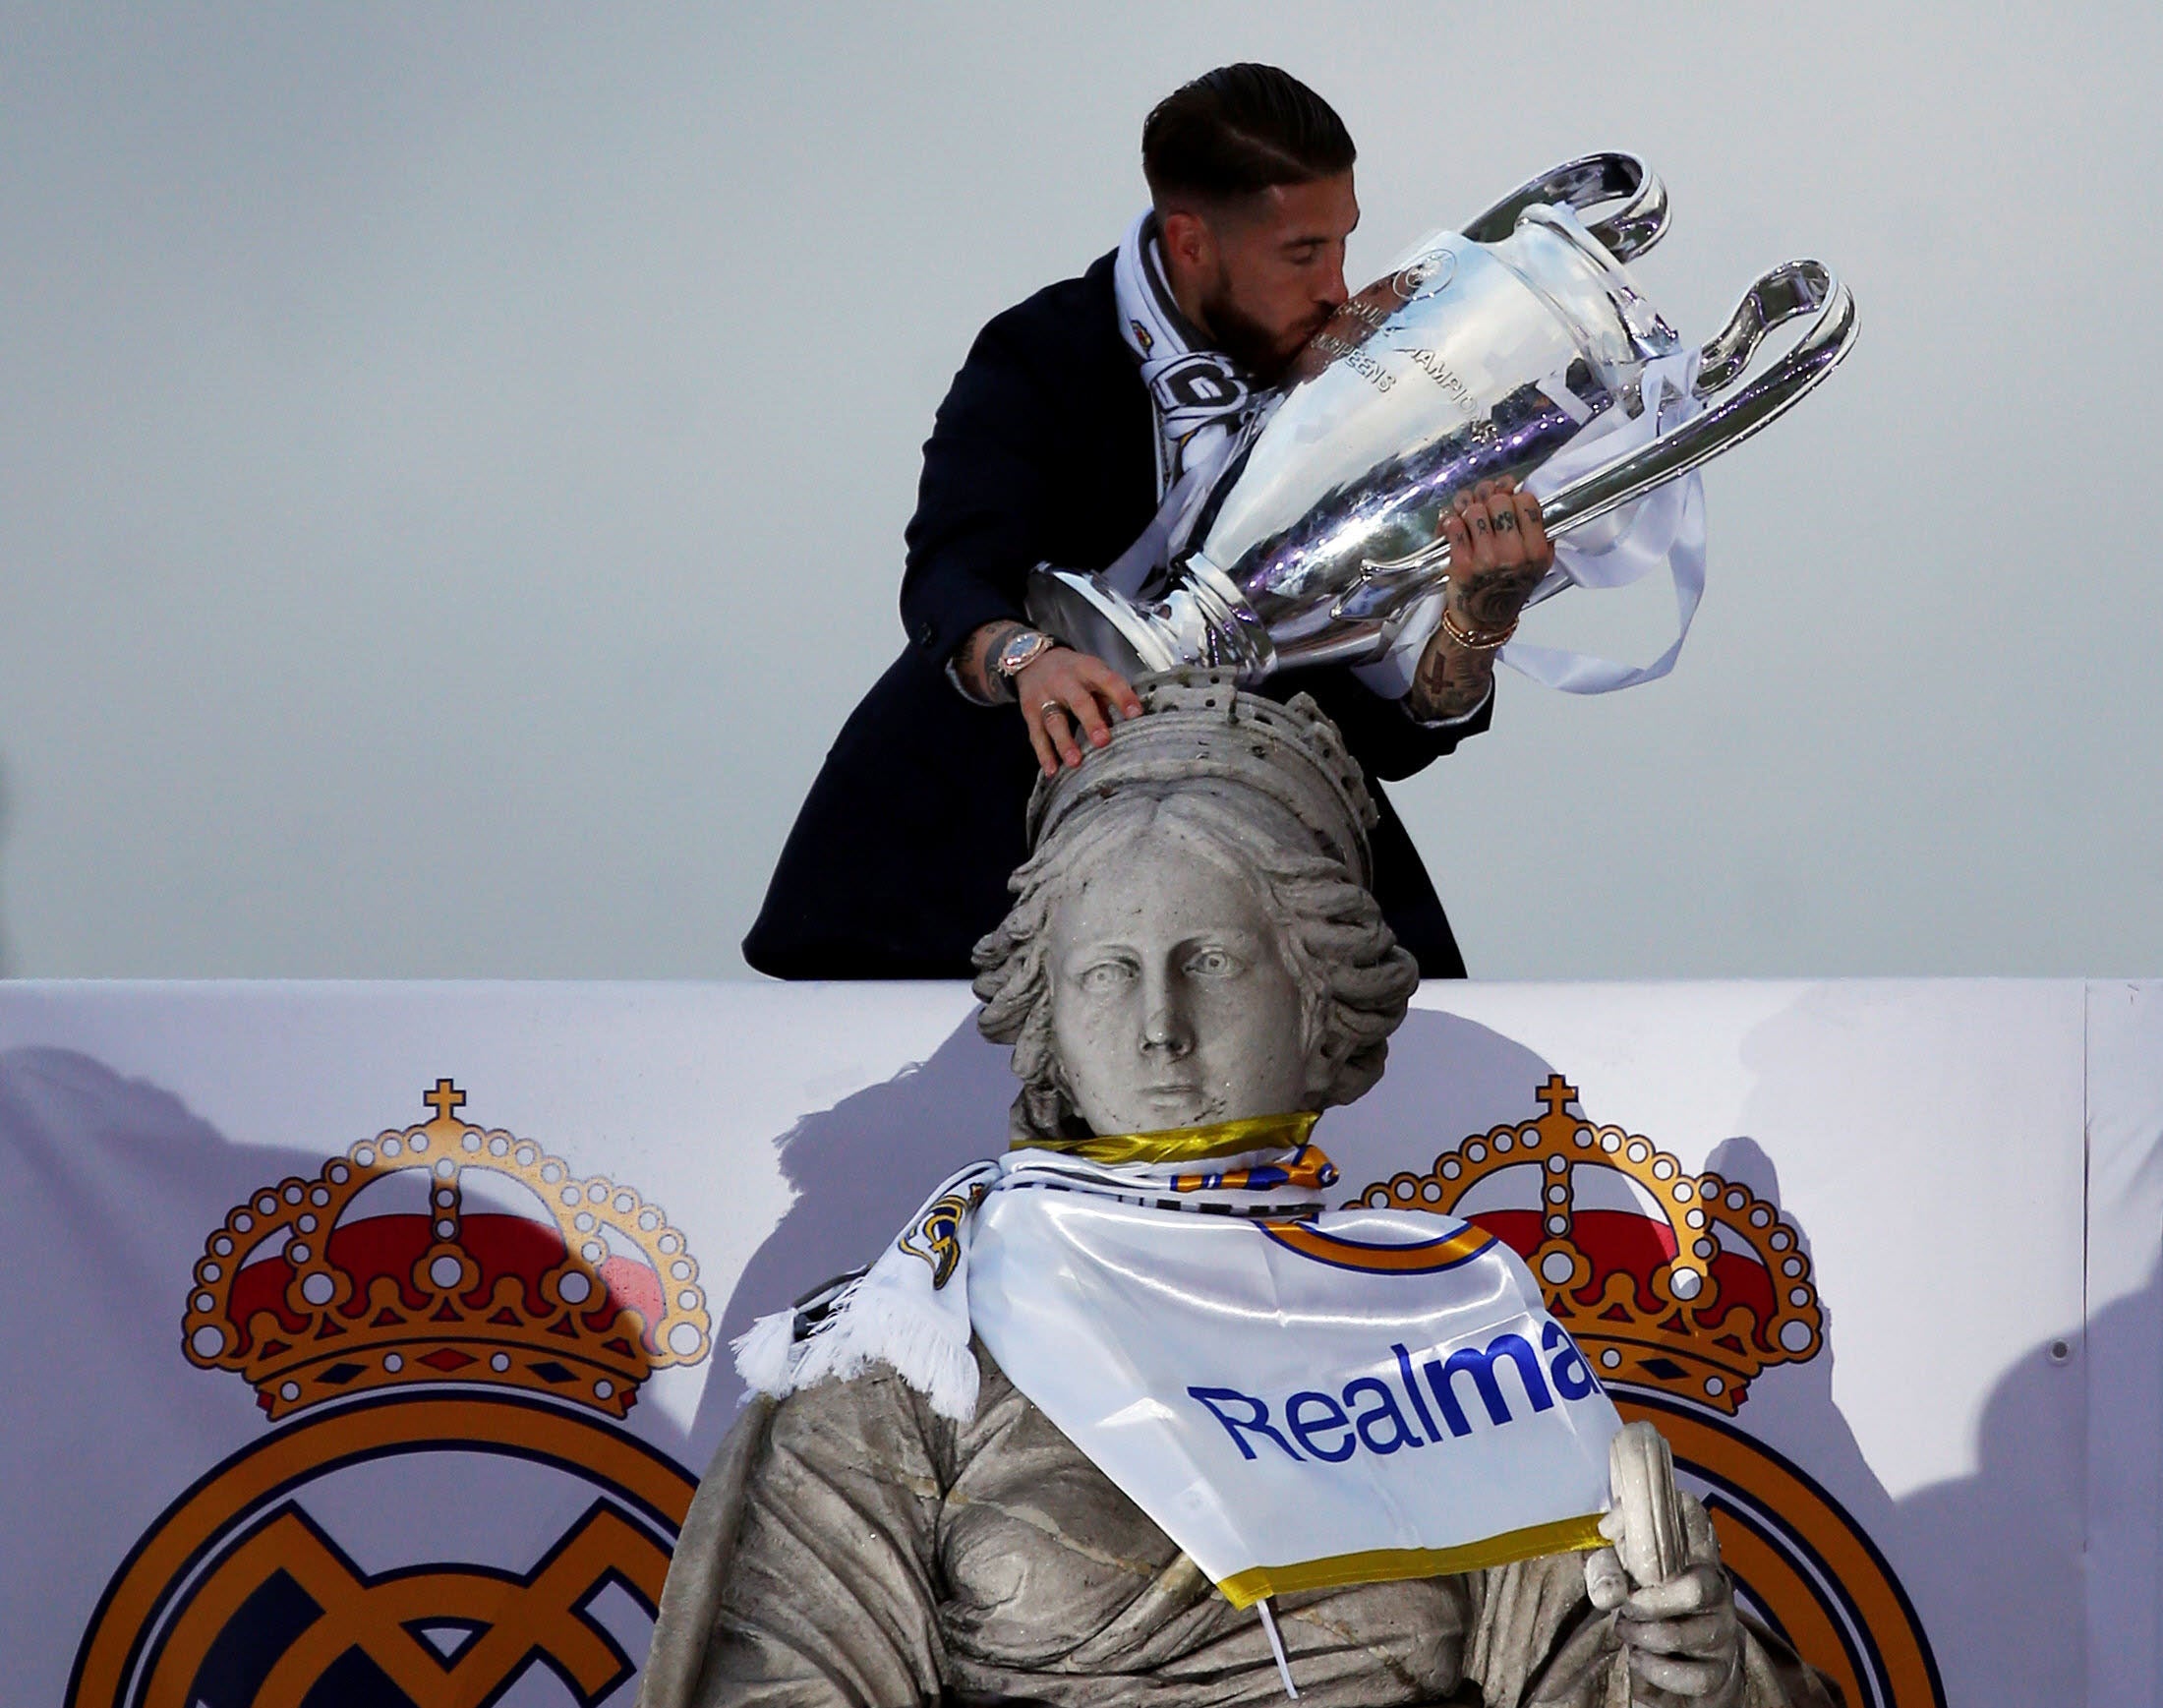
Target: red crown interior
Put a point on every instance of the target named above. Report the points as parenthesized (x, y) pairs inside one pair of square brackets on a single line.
[(1621, 1242), (501, 1245)]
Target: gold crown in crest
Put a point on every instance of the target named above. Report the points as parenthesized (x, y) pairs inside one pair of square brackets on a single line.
[(582, 1298), (1694, 1299)]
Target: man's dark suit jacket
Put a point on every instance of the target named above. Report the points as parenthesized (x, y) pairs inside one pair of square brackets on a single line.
[(1044, 451)]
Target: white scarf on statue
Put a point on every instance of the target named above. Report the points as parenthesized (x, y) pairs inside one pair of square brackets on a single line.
[(1299, 1397), (1205, 406)]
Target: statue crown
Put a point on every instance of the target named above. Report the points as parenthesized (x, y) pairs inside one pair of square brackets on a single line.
[(1200, 726)]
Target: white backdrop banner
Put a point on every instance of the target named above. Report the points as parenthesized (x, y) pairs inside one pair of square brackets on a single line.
[(365, 1345)]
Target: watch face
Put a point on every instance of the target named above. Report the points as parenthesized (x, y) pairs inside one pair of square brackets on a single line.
[(1019, 650)]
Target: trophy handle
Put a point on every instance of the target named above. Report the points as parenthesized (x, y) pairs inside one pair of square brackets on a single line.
[(1795, 288), (1790, 290), (1630, 230)]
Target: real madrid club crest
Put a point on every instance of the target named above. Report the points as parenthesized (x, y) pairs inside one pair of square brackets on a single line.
[(444, 1313), (1681, 1288)]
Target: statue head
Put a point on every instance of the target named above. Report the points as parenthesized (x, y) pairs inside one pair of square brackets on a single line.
[(1191, 938)]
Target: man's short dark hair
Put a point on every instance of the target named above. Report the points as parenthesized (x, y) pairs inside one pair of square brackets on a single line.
[(1238, 130)]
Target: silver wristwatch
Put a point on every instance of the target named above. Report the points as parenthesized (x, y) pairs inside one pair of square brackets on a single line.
[(1021, 649)]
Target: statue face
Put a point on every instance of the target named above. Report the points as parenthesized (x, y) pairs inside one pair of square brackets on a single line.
[(1171, 1002)]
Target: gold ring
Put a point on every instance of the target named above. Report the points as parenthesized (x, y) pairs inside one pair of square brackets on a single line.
[(1049, 706)]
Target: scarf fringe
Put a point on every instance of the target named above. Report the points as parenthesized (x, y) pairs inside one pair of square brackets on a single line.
[(764, 1354), (878, 1328), (881, 1327)]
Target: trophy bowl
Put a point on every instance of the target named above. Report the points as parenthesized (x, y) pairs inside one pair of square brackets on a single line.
[(1479, 355)]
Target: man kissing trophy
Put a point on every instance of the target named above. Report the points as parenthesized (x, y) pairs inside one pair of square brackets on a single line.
[(1128, 1413), (1518, 351), (1367, 536)]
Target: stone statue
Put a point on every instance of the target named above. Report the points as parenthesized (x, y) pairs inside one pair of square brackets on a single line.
[(1191, 943)]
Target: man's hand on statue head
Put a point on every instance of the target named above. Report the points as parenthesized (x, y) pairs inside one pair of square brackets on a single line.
[(1498, 552), (1063, 693), (1683, 1639)]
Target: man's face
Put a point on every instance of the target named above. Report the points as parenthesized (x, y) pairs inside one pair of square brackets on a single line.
[(1272, 269)]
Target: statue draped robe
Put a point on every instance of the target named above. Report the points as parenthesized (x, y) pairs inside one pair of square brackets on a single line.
[(851, 1549)]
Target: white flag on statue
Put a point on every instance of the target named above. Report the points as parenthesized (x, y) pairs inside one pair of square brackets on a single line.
[(1357, 1396)]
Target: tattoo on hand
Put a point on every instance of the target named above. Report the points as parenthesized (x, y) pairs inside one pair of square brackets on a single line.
[(1493, 599)]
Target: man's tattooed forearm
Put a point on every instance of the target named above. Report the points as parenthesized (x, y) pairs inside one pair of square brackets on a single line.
[(1450, 681)]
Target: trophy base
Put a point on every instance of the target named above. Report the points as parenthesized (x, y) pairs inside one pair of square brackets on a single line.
[(1202, 622), (1089, 617)]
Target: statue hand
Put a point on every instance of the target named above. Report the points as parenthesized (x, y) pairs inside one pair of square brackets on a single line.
[(1682, 1638)]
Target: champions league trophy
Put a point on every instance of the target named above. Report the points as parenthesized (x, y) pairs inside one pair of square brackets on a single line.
[(1481, 355)]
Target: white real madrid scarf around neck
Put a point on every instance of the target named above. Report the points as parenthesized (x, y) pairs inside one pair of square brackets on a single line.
[(1201, 395), (1299, 1397), (1201, 400)]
